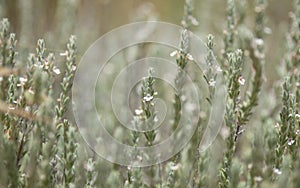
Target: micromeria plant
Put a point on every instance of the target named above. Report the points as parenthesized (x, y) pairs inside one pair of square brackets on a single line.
[(258, 144), (31, 126)]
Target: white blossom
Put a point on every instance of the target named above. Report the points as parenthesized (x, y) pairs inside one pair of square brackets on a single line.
[(241, 80), (277, 171), (56, 70), (138, 111), (174, 53), (212, 82), (64, 53), (218, 69), (259, 42), (258, 178), (291, 142), (148, 97), (189, 57)]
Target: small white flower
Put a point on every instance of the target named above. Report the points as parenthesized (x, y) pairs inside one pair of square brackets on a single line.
[(38, 64), (56, 70), (189, 57), (138, 112), (268, 30), (258, 178), (174, 53), (212, 82), (291, 142), (259, 42), (64, 53), (218, 68), (277, 171), (148, 97), (177, 54), (155, 119), (22, 81), (27, 109), (298, 132), (176, 167), (241, 80), (89, 167), (11, 107), (31, 91), (183, 98), (250, 166), (73, 68)]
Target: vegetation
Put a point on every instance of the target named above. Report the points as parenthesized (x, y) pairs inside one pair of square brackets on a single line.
[(257, 146)]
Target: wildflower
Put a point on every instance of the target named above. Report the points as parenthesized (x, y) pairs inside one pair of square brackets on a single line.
[(27, 109), (218, 68), (298, 132), (277, 126), (56, 70), (277, 171), (11, 107), (138, 112), (212, 82), (89, 167), (64, 53), (155, 119), (148, 98), (30, 91), (258, 178), (268, 30), (189, 57), (250, 166), (46, 65), (259, 42), (22, 80), (177, 54), (73, 67), (38, 64), (241, 80), (291, 142), (174, 53), (176, 167)]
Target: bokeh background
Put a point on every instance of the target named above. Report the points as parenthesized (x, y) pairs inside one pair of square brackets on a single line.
[(55, 20)]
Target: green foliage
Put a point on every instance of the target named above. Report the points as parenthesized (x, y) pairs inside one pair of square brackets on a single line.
[(258, 145)]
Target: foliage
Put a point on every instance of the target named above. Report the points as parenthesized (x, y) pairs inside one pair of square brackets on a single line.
[(39, 142)]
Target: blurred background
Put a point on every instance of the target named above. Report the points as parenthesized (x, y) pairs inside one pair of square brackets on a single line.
[(56, 20)]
